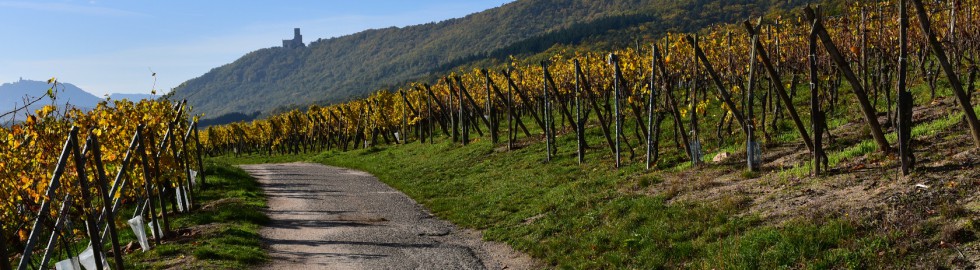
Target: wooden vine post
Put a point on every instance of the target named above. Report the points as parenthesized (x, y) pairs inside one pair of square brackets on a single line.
[(546, 112), (870, 115), (817, 116), (614, 62), (102, 186), (905, 103), (147, 180), (695, 146), (402, 134), (954, 80), (579, 117), (463, 117), (430, 117), (752, 150), (93, 232), (491, 111), (651, 105), (511, 133)]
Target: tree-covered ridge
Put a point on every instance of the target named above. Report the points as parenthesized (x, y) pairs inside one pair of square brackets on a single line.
[(337, 69)]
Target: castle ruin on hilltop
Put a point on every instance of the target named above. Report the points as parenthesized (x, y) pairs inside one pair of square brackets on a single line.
[(296, 42)]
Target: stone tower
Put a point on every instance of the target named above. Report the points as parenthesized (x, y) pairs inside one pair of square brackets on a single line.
[(296, 42)]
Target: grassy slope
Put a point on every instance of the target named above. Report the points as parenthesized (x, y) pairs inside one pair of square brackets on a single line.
[(579, 216), (576, 216), (596, 216), (222, 234)]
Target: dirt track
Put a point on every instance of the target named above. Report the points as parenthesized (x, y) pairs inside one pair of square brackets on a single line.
[(334, 218)]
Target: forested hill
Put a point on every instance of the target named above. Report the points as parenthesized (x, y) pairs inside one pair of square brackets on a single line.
[(337, 69)]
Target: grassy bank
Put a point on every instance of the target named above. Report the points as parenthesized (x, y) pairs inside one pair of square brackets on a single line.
[(595, 216), (222, 234), (582, 216)]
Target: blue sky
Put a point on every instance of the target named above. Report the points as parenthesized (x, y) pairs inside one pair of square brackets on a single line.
[(108, 46)]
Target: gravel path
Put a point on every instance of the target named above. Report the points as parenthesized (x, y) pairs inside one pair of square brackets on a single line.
[(334, 218)]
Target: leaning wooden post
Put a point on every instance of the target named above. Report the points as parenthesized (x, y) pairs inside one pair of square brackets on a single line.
[(780, 90), (510, 107), (672, 103), (557, 96), (954, 80), (525, 98), (614, 62), (870, 115), (92, 227), (160, 183), (904, 96), (147, 179), (102, 184), (725, 96)]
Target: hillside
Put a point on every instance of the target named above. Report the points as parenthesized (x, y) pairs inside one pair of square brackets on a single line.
[(337, 69), (13, 95)]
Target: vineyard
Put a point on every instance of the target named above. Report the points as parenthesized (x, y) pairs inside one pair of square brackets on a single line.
[(842, 137), (774, 89), (725, 86), (68, 175)]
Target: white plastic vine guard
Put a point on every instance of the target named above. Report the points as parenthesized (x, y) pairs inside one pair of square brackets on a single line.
[(68, 264), (193, 177), (187, 199), (154, 229), (181, 199), (87, 259), (139, 230)]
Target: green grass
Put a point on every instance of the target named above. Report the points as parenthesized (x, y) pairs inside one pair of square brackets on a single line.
[(228, 230), (578, 216), (574, 216)]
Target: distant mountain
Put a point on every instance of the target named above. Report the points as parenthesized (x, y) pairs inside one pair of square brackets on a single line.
[(337, 69), (13, 95), (132, 97)]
